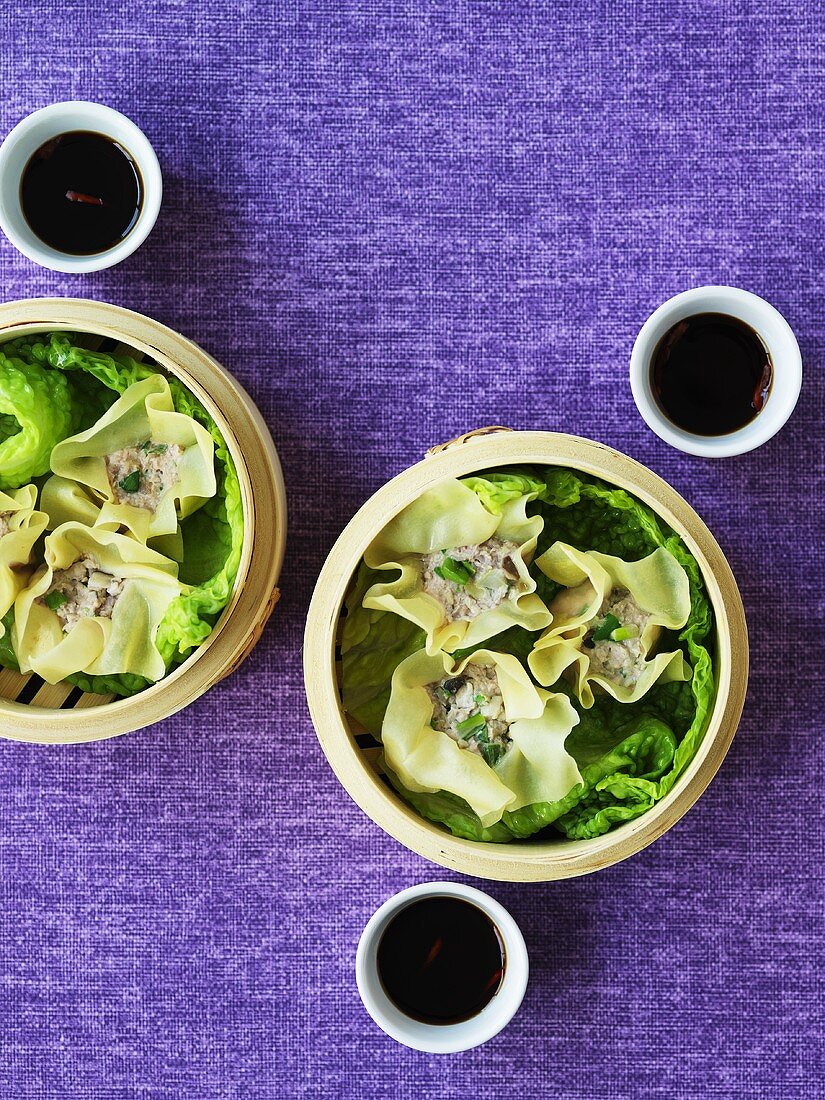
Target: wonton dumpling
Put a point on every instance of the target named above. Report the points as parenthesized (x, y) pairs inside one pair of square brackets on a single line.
[(608, 618), (464, 574), (507, 752), (94, 606), (145, 465), (20, 527)]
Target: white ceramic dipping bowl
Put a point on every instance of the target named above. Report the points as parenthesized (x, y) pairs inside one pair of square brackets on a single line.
[(40, 127), (442, 1038), (776, 335)]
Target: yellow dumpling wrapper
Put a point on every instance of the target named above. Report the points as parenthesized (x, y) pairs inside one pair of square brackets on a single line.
[(98, 645), (144, 412), (443, 518), (21, 525), (657, 583), (67, 501), (535, 767)]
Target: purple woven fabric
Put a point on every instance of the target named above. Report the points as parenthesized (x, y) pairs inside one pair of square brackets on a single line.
[(395, 222)]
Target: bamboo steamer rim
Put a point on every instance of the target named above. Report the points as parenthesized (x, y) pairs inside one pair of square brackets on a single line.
[(263, 497), (528, 860)]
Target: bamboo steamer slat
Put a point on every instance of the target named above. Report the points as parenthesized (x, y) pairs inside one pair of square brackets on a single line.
[(62, 714), (353, 755)]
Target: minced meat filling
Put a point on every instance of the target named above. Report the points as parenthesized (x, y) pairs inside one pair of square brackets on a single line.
[(614, 643), (140, 475), (470, 709), (469, 580), (5, 527), (83, 591)]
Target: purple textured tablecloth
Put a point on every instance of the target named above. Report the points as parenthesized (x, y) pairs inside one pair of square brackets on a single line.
[(395, 222)]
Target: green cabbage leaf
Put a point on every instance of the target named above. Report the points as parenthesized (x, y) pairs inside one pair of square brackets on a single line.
[(373, 645), (497, 488), (35, 414)]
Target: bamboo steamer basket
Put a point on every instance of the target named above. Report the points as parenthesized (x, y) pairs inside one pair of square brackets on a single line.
[(354, 754), (31, 710)]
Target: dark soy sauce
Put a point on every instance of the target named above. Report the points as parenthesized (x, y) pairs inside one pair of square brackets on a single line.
[(441, 960), (81, 193), (711, 374)]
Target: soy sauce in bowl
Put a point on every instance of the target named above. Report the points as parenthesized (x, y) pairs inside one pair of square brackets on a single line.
[(441, 960), (711, 374), (81, 193)]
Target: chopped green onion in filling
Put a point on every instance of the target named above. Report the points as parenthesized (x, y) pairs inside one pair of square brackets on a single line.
[(474, 726), (130, 483), (459, 572), (55, 599), (622, 633), (492, 752), (605, 628)]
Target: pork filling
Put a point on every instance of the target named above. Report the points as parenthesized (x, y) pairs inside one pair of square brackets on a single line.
[(614, 643), (5, 526), (469, 580), (140, 475), (470, 709), (83, 591)]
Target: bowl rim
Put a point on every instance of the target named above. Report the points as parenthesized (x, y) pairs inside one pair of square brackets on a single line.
[(261, 487), (522, 860)]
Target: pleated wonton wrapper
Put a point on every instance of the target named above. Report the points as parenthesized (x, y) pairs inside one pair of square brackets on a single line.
[(448, 516), (535, 767), (143, 420), (20, 527), (658, 585), (67, 501), (97, 645)]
